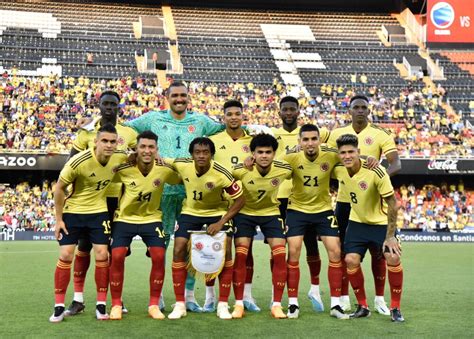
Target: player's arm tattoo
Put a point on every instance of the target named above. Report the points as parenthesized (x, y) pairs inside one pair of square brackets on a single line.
[(392, 216), (394, 163)]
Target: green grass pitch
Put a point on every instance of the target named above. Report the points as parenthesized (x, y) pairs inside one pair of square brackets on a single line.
[(437, 299)]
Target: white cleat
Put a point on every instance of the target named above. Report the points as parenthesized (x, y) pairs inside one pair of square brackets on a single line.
[(381, 307), (293, 312), (58, 315), (179, 311), (338, 313), (223, 311), (101, 312)]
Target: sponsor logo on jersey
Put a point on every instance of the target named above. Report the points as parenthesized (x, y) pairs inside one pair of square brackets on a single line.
[(301, 167), (251, 182), (222, 147), (275, 182), (133, 183), (363, 185), (92, 175), (324, 167), (369, 141), (210, 186)]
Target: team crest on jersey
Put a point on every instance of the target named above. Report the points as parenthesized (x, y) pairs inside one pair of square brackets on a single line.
[(245, 148), (199, 246), (363, 185), (275, 182), (156, 182), (216, 246), (120, 141), (369, 141), (191, 129), (324, 167), (210, 186)]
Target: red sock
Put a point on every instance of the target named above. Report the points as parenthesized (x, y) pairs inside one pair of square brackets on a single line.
[(345, 279), (240, 271), (335, 277), (225, 281), (81, 265), (395, 280), (279, 271), (356, 277), (314, 263), (379, 269), (117, 269), (62, 276), (293, 279), (102, 279), (179, 273), (157, 273), (249, 267)]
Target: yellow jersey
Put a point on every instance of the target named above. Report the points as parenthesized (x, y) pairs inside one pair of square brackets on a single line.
[(141, 195), (310, 192), (230, 152), (89, 180), (205, 193), (286, 142), (366, 190), (373, 141), (261, 191)]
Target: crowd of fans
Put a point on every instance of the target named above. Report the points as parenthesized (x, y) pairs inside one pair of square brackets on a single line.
[(40, 114), (429, 208)]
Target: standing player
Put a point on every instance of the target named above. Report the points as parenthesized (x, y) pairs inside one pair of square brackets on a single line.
[(142, 186), (310, 212), (260, 190), (232, 148), (127, 138), (287, 137), (85, 212), (374, 141), (205, 182), (372, 223), (176, 128)]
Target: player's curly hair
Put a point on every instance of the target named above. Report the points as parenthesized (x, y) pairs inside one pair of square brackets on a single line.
[(109, 92), (263, 140), (204, 142), (289, 99), (232, 103)]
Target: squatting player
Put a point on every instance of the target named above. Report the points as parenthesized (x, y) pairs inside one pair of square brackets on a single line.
[(205, 182), (310, 212), (372, 222), (127, 139), (261, 209), (84, 212), (373, 141), (142, 186)]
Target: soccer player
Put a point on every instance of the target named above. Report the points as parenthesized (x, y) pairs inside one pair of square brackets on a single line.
[(287, 137), (127, 138), (205, 181), (310, 212), (232, 148), (373, 141), (142, 186), (261, 209), (176, 128), (372, 223), (85, 212)]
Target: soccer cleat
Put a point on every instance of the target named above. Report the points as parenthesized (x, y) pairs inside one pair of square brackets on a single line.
[(251, 305), (223, 311), (116, 312), (316, 301), (338, 312), (277, 312), (361, 312), (155, 313), (293, 312), (124, 309), (75, 308), (101, 312), (179, 311), (345, 303), (58, 315), (193, 306), (396, 315), (381, 307), (238, 312), (209, 306)]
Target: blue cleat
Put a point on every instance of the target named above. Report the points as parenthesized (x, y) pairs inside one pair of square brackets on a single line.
[(193, 306), (251, 305), (209, 306), (316, 302)]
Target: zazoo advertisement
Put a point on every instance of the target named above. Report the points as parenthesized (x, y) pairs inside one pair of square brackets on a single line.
[(450, 21)]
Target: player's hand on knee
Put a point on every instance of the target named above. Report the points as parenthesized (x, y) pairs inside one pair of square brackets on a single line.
[(60, 225), (393, 247)]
